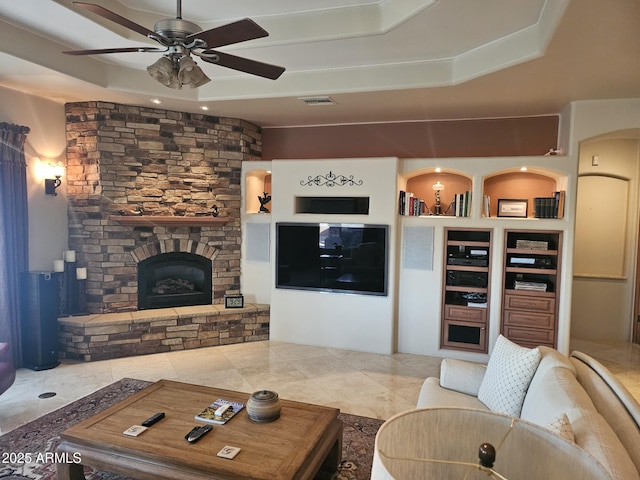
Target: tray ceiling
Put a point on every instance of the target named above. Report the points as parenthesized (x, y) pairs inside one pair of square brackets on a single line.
[(386, 60)]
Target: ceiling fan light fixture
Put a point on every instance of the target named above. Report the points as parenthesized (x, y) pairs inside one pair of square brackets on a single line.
[(180, 38), (190, 74), (164, 72)]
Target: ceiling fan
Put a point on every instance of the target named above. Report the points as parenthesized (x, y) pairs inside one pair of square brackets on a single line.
[(179, 39)]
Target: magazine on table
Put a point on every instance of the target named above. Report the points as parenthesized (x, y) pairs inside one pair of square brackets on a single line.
[(209, 413)]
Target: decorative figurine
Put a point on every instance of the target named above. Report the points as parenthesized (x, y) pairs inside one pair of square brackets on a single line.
[(263, 201), (214, 211)]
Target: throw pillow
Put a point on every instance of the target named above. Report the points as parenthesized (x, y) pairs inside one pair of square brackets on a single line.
[(561, 426), (509, 372)]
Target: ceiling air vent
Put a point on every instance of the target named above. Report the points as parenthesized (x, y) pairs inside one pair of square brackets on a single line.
[(318, 101)]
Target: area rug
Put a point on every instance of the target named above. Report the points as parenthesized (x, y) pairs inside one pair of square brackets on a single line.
[(38, 440)]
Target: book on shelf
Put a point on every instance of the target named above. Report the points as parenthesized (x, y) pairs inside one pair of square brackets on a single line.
[(462, 204), (550, 207), (559, 205), (409, 204), (208, 414), (486, 206)]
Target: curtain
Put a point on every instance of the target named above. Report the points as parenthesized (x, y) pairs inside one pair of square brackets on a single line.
[(14, 230)]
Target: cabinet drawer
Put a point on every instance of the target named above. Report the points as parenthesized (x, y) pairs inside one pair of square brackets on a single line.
[(529, 319), (523, 302), (526, 344), (529, 335), (469, 314)]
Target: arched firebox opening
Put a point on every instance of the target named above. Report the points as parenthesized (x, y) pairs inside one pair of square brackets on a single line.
[(174, 279)]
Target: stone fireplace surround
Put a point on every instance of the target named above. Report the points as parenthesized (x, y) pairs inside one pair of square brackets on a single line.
[(126, 160)]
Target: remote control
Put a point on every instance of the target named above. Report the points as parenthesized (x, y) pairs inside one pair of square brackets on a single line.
[(150, 421), (197, 433)]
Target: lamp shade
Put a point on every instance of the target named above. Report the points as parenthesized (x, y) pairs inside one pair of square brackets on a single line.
[(443, 443), (164, 72), (190, 74)]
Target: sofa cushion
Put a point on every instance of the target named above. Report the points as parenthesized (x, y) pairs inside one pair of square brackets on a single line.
[(509, 372), (596, 437), (462, 376), (612, 400), (554, 391), (551, 389), (433, 395)]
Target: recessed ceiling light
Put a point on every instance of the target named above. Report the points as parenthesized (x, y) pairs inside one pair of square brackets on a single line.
[(204, 107), (157, 101), (523, 169), (438, 169)]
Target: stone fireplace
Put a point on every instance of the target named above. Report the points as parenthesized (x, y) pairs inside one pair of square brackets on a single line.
[(143, 185), (143, 182)]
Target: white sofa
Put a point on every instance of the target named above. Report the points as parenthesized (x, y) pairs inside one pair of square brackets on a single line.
[(603, 417)]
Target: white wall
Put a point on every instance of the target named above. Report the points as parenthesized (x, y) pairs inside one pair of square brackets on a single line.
[(606, 238), (349, 321), (408, 319), (47, 214), (602, 307)]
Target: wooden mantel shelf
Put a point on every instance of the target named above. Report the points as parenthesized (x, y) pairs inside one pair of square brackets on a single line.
[(168, 220)]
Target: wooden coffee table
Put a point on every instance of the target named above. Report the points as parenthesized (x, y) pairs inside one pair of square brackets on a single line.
[(303, 440)]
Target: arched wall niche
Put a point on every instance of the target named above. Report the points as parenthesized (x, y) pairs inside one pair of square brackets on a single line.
[(421, 184), (522, 184), (258, 182)]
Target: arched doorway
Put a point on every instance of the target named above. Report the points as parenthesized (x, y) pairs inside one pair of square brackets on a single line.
[(605, 300)]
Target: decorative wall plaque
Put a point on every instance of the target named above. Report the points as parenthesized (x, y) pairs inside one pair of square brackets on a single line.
[(331, 180)]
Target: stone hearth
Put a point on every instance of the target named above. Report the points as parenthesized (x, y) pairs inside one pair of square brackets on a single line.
[(114, 335)]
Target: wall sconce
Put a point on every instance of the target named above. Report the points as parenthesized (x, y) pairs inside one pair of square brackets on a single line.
[(437, 208), (51, 173)]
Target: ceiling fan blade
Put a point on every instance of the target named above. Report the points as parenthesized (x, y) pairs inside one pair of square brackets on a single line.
[(114, 50), (114, 17), (253, 67), (235, 32)]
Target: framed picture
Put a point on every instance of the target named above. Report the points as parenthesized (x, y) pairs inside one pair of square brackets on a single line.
[(233, 301), (510, 207)]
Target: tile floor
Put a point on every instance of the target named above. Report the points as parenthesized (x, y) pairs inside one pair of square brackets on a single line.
[(359, 383)]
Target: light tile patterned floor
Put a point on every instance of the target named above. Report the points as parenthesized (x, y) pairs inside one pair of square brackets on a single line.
[(359, 383)]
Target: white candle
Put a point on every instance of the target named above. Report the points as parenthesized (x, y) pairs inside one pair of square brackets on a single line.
[(58, 265), (70, 256), (81, 273)]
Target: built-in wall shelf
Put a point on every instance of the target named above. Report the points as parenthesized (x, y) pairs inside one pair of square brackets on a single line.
[(531, 296), (168, 220), (466, 288), (477, 191)]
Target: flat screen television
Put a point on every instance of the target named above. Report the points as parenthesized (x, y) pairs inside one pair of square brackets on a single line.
[(335, 257)]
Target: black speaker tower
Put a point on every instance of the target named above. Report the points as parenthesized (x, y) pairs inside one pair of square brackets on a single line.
[(39, 320)]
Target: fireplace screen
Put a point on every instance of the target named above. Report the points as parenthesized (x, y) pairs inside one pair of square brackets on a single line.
[(174, 279)]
